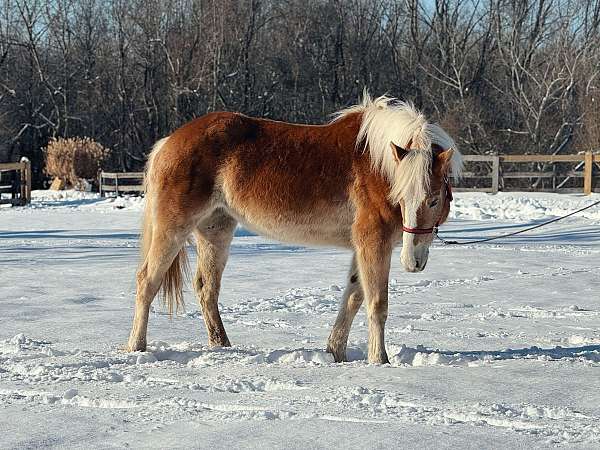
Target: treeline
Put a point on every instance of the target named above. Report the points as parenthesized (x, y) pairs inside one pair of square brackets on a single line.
[(501, 75)]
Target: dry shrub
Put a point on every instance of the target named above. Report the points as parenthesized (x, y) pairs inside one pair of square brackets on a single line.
[(74, 159)]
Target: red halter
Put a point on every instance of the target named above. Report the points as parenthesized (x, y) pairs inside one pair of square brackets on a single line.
[(433, 229)]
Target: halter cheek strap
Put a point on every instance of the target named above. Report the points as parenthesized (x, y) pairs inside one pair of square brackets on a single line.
[(433, 229)]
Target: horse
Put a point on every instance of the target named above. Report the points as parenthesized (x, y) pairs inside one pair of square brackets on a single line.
[(374, 176)]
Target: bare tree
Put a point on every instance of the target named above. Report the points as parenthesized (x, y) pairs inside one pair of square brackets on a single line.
[(502, 75)]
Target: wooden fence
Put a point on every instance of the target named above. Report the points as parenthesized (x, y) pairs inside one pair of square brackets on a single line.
[(497, 173), (15, 179), (120, 182)]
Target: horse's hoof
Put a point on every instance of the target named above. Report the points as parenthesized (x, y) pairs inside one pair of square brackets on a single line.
[(339, 355), (219, 343), (128, 348), (379, 359)]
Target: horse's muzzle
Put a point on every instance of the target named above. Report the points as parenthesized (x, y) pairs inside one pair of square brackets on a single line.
[(416, 260)]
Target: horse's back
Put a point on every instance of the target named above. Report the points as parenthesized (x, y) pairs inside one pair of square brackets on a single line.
[(291, 182)]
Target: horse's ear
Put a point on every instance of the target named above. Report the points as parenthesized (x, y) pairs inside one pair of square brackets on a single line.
[(444, 159), (398, 152)]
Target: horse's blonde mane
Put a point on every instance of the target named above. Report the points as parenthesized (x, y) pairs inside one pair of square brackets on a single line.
[(386, 120)]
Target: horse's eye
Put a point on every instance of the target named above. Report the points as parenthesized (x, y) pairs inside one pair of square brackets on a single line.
[(433, 203)]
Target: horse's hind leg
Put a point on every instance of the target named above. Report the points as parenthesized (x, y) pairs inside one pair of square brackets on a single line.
[(213, 238), (351, 301), (163, 249)]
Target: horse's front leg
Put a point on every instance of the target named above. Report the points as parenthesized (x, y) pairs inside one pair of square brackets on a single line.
[(351, 301), (373, 254)]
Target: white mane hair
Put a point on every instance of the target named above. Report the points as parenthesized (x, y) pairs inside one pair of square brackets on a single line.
[(386, 120)]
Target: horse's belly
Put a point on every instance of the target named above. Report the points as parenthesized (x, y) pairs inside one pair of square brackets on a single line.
[(331, 226)]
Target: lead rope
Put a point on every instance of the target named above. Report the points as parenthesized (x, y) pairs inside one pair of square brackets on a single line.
[(478, 241)]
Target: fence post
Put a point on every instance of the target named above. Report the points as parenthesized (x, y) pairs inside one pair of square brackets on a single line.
[(22, 182), (100, 182), (495, 173), (25, 181), (587, 173), (117, 184)]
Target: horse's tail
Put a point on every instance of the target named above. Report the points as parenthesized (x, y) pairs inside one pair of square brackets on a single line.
[(172, 286), (172, 283)]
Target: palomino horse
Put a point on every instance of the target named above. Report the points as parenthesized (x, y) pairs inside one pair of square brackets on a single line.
[(373, 176)]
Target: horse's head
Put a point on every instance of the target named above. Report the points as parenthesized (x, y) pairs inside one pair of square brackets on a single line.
[(421, 216)]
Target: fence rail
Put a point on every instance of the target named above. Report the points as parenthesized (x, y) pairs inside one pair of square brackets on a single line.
[(18, 184), (498, 175), (116, 187)]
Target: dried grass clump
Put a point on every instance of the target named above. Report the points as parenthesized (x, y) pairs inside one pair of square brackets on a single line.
[(74, 159)]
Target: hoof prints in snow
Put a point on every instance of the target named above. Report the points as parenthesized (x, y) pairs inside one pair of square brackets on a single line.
[(555, 424), (296, 300), (221, 397), (35, 362)]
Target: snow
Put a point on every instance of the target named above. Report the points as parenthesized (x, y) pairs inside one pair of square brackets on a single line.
[(492, 346)]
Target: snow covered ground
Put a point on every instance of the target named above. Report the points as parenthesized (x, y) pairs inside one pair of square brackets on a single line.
[(493, 346)]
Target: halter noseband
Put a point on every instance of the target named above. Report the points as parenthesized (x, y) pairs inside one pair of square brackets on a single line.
[(433, 229)]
